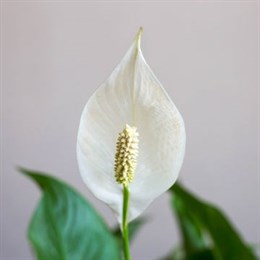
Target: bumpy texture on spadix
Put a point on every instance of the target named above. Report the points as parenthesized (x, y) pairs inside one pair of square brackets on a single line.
[(131, 95), (126, 155)]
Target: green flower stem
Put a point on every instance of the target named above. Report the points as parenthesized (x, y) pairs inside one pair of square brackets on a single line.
[(125, 223)]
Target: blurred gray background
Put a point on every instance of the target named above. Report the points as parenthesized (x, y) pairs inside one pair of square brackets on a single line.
[(56, 53)]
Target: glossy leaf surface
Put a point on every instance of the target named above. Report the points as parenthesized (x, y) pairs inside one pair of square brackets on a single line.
[(65, 226), (205, 229)]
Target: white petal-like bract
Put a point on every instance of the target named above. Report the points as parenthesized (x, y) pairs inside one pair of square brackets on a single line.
[(131, 95)]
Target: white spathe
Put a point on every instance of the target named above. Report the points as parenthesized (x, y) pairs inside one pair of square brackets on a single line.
[(131, 95)]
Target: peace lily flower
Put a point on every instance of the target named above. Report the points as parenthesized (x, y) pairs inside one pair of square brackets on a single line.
[(130, 135)]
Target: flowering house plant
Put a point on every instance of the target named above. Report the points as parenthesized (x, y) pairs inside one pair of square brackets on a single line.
[(130, 148)]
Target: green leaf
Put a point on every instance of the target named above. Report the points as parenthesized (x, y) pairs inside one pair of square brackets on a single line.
[(205, 229), (179, 254), (206, 254), (65, 226)]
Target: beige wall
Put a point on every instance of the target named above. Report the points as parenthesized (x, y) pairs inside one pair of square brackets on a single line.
[(55, 54)]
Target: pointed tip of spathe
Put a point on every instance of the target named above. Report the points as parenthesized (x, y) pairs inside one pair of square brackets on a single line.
[(138, 37), (140, 30)]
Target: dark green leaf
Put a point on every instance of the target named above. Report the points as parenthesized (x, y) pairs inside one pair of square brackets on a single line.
[(206, 229), (65, 226), (206, 254), (179, 254)]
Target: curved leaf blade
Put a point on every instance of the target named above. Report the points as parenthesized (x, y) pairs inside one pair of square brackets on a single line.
[(203, 226), (65, 226)]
